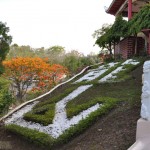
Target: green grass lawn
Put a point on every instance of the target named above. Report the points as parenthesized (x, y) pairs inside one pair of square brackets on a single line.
[(123, 91)]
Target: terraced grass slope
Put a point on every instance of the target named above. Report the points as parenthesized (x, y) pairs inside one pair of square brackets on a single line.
[(77, 106)]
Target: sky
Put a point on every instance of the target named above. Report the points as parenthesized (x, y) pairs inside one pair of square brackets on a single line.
[(45, 23)]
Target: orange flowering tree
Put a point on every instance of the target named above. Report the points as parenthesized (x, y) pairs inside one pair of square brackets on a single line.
[(51, 77), (31, 73), (57, 73)]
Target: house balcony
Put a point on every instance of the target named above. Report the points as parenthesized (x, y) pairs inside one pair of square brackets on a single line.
[(126, 8)]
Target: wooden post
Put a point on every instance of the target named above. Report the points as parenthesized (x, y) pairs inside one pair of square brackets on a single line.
[(129, 9), (149, 45)]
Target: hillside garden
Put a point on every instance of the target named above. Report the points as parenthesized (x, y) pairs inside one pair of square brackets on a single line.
[(59, 112), (74, 107)]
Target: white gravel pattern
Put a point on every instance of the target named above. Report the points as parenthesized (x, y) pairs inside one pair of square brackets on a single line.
[(60, 122), (15, 117), (112, 76), (95, 73)]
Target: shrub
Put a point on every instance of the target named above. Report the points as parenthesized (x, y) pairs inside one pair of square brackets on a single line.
[(43, 115), (6, 98), (32, 136), (73, 108), (33, 94)]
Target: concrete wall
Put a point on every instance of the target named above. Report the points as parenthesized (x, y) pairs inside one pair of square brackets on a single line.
[(143, 124)]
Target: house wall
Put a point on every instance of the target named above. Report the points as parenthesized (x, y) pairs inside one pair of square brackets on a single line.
[(148, 46), (141, 46), (125, 48)]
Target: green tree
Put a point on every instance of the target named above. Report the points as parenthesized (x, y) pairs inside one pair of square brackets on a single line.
[(73, 61), (98, 33), (119, 29), (108, 36), (5, 41), (55, 54), (6, 98), (103, 36), (56, 49), (40, 52), (20, 51)]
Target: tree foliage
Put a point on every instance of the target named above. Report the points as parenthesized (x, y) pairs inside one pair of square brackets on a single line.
[(73, 60), (57, 72), (140, 21), (20, 51), (98, 33), (6, 98), (119, 29), (109, 35), (34, 72), (5, 41), (103, 37), (55, 54)]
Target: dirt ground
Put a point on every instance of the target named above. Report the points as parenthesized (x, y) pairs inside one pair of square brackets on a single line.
[(114, 131)]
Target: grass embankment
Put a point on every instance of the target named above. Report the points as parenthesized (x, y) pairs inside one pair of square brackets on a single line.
[(44, 112), (45, 140), (123, 91), (107, 94)]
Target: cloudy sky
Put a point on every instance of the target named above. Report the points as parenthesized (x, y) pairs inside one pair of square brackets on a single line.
[(45, 23)]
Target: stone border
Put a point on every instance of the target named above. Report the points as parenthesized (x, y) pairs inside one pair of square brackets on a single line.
[(41, 96)]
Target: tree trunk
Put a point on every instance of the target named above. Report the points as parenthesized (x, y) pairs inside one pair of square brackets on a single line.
[(114, 50), (19, 92), (110, 49)]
